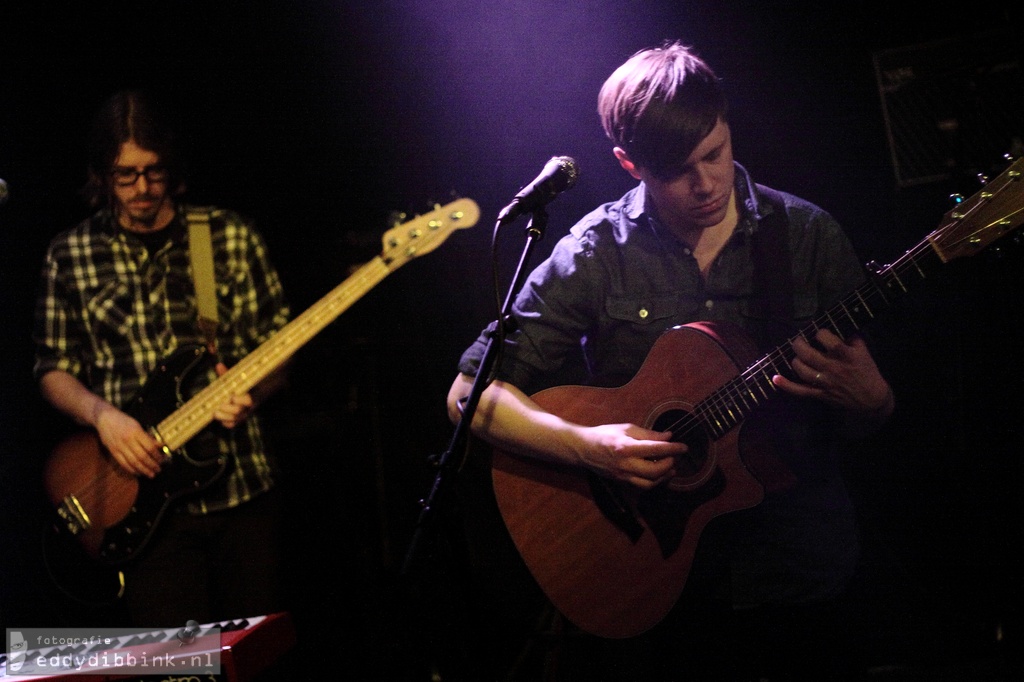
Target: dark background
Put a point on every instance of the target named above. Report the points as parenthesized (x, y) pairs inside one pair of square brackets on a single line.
[(321, 120)]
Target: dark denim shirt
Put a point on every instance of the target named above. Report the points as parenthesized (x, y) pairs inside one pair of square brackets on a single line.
[(618, 280), (593, 310)]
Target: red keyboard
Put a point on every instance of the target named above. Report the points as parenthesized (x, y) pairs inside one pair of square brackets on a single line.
[(247, 647)]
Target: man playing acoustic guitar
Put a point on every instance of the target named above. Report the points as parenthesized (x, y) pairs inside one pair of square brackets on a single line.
[(117, 299), (696, 241)]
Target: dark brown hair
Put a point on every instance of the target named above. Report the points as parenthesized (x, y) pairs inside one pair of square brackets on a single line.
[(130, 115), (659, 105)]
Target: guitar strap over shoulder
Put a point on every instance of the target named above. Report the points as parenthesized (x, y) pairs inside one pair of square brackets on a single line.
[(200, 249), (773, 284), (773, 273)]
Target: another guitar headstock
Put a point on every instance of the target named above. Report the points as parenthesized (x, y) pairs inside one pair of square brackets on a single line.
[(426, 232), (992, 212)]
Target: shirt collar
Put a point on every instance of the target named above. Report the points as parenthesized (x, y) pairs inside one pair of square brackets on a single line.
[(636, 202), (752, 206)]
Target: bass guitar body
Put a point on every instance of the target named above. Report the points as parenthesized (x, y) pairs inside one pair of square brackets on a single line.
[(110, 512)]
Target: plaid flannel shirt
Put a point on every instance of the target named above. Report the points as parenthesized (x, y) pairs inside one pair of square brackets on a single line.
[(110, 309)]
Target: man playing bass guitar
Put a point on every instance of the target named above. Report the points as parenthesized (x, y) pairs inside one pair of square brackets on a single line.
[(117, 299)]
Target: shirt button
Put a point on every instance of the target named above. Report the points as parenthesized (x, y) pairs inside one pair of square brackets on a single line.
[(709, 304), (643, 313)]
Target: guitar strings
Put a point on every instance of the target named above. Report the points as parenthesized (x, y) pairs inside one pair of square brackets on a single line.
[(422, 235), (196, 413), (726, 407), (719, 412)]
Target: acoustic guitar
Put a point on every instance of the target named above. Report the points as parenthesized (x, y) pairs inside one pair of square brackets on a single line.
[(613, 559)]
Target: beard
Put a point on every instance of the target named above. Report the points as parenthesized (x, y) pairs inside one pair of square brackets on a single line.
[(141, 211)]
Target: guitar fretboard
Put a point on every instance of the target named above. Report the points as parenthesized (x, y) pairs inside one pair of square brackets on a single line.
[(401, 244), (971, 226), (192, 417)]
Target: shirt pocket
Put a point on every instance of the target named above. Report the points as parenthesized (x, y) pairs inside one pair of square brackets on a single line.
[(633, 325), (110, 310), (642, 311), (233, 290)]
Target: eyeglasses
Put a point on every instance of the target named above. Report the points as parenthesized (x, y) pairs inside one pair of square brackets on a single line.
[(126, 177)]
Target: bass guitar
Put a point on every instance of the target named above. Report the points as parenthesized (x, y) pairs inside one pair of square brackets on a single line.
[(613, 559), (113, 514)]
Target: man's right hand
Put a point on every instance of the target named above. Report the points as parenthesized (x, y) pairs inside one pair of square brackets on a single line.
[(507, 418), (629, 453), (131, 446)]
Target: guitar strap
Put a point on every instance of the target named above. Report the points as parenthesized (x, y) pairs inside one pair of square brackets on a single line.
[(773, 274), (200, 249), (773, 282)]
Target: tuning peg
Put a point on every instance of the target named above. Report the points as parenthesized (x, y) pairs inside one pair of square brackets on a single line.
[(396, 218), (956, 199), (982, 179)]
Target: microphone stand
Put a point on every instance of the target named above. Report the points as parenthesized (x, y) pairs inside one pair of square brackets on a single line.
[(534, 233)]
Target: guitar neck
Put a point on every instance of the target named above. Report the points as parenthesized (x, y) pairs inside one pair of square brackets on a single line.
[(401, 244), (964, 231), (192, 417), (732, 403)]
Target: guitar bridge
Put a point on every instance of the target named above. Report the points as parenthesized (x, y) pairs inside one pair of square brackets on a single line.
[(615, 508), (73, 515)]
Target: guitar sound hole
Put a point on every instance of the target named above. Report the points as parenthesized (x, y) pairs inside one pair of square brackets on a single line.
[(692, 466)]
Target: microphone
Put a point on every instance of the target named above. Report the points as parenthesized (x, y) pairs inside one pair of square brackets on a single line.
[(559, 174)]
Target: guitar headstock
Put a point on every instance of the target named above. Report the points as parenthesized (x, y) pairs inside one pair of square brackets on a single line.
[(989, 214), (426, 232)]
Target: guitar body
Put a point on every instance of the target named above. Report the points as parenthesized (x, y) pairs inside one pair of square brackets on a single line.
[(611, 558), (112, 513)]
